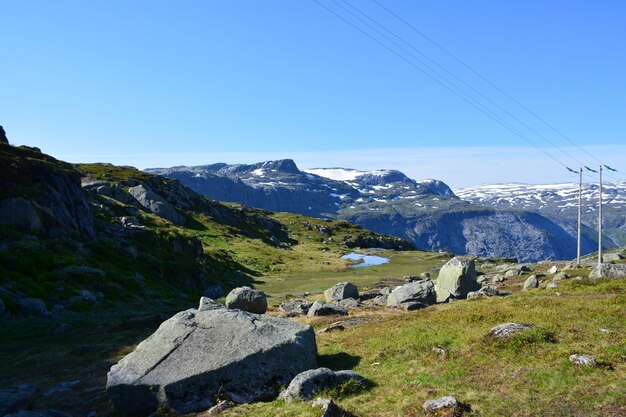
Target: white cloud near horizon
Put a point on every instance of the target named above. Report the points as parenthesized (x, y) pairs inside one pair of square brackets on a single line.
[(456, 166)]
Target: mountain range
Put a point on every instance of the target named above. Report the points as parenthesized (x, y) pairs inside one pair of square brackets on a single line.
[(428, 213), (559, 202)]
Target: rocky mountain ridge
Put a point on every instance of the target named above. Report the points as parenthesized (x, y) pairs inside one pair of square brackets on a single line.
[(427, 212), (559, 202)]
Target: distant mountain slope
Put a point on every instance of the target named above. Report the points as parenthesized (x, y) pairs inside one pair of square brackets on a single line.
[(426, 212), (558, 202)]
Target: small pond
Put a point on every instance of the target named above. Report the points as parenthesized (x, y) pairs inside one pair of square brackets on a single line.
[(366, 260)]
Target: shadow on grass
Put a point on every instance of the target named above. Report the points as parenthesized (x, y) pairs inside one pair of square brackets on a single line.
[(339, 361)]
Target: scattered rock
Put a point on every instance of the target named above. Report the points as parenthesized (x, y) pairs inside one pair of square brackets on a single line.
[(482, 279), (333, 326), (505, 330), (411, 278), (33, 307), (349, 303), (341, 291), (608, 271), (329, 408), (320, 308), (456, 279), (425, 275), (512, 273), (553, 270), (486, 291), (207, 303), (420, 292), (213, 291), (525, 268), (413, 305), (552, 285), (441, 352), (307, 383), (610, 257), (440, 404), (560, 276), (583, 360), (217, 409), (16, 399), (195, 355), (297, 307), (531, 282), (497, 278), (247, 299)]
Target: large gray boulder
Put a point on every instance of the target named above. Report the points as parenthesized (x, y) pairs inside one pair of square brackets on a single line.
[(156, 204), (306, 384), (196, 355), (341, 291), (456, 279), (608, 271), (421, 292), (247, 299)]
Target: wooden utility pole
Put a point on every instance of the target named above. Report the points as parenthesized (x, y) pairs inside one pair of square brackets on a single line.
[(600, 223), (580, 210)]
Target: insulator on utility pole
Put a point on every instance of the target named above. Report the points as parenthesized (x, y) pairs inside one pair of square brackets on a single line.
[(580, 210), (600, 223)]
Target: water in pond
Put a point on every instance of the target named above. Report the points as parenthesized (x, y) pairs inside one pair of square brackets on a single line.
[(368, 260)]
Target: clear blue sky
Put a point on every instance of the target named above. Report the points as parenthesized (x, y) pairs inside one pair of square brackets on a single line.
[(155, 83)]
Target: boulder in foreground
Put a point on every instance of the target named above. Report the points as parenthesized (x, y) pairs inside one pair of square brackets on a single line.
[(195, 355)]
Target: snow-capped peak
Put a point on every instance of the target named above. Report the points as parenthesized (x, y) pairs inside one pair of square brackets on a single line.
[(337, 174)]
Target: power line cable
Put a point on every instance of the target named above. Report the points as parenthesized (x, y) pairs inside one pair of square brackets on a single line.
[(459, 79), (486, 112), (485, 79)]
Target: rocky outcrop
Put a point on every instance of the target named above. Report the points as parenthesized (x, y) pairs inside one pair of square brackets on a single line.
[(247, 299), (156, 204), (608, 271), (40, 193), (306, 384), (456, 279), (341, 291), (196, 355), (414, 292), (3, 136)]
